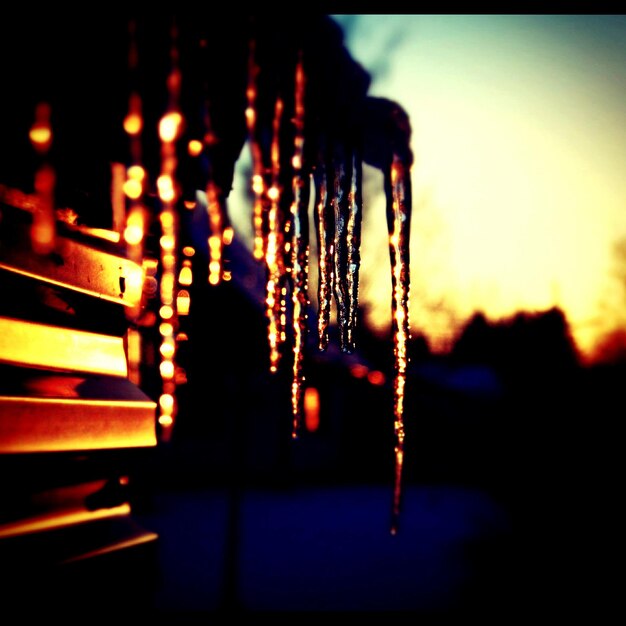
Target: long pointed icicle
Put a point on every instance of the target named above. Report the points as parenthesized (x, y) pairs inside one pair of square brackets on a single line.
[(324, 224), (299, 271), (218, 221), (260, 209), (353, 248), (220, 229), (301, 186), (339, 201), (274, 250), (398, 192), (170, 126)]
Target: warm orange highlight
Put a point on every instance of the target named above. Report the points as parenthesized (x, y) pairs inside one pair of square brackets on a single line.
[(185, 276), (169, 126), (311, 409), (183, 302), (376, 377), (194, 147)]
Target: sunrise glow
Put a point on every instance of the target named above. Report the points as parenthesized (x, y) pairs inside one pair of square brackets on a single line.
[(518, 190)]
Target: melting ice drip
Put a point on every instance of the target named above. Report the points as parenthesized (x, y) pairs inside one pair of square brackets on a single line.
[(299, 251)]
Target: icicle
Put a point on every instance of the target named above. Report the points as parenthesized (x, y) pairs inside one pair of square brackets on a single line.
[(340, 207), (338, 222), (169, 131), (325, 228), (259, 188), (353, 249), (299, 271), (299, 253), (268, 227), (217, 220), (274, 250), (398, 192), (219, 224), (136, 219)]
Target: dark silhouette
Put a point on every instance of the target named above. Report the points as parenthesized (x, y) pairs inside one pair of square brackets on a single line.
[(526, 346), (84, 74)]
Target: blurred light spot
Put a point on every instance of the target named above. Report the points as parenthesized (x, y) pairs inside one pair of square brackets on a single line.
[(43, 235), (194, 147), (167, 348), (257, 184), (311, 409), (166, 402), (134, 279), (167, 242), (214, 242), (45, 179), (258, 248), (136, 172), (132, 189), (180, 376), (133, 234), (40, 132), (376, 377), (359, 370), (166, 420), (185, 277), (167, 369), (227, 235), (169, 126), (167, 219), (166, 328), (166, 312), (40, 136), (133, 123), (165, 185), (167, 286), (183, 302)]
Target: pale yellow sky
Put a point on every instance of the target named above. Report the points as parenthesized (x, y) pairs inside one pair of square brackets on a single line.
[(519, 193), (520, 141)]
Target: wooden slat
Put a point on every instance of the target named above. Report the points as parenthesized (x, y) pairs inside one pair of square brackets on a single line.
[(48, 413), (94, 536), (55, 347), (80, 262)]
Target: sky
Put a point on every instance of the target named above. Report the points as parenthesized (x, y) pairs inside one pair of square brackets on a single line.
[(519, 134), (519, 186)]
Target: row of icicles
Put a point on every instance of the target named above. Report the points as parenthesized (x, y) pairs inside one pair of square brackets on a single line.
[(282, 242)]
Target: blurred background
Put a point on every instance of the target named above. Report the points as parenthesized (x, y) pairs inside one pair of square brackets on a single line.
[(515, 378), (517, 318)]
